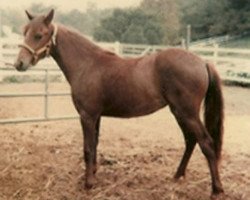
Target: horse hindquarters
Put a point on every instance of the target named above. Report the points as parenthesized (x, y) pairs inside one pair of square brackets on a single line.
[(213, 115), (180, 90)]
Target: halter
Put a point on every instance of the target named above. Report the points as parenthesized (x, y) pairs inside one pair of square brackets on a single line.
[(46, 48)]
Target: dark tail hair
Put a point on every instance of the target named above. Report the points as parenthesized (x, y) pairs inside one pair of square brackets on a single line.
[(214, 109)]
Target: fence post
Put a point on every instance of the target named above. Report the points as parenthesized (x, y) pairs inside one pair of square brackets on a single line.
[(46, 96), (117, 48), (188, 39), (216, 50), (183, 43), (1, 48), (1, 36)]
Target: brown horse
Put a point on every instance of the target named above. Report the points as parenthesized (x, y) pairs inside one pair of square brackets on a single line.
[(104, 84)]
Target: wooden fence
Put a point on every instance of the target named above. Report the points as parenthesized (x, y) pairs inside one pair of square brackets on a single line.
[(232, 64)]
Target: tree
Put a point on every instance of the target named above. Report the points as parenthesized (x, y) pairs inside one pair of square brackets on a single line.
[(85, 22), (153, 33), (212, 17), (75, 19), (104, 35), (167, 12), (117, 23), (134, 34), (130, 26)]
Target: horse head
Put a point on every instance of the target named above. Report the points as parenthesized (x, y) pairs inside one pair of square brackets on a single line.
[(39, 36)]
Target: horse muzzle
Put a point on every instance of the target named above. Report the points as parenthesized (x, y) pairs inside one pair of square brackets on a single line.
[(21, 65)]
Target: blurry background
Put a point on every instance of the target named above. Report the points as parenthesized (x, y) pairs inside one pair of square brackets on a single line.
[(137, 21)]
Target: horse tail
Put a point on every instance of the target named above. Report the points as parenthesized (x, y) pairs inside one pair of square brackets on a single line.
[(214, 109)]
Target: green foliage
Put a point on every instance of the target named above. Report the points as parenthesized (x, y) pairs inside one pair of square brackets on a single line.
[(130, 26), (167, 13), (153, 22), (212, 17), (116, 24), (85, 22), (134, 35), (29, 78), (153, 34), (104, 35)]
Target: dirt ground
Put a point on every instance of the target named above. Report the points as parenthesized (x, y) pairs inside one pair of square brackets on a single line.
[(137, 157)]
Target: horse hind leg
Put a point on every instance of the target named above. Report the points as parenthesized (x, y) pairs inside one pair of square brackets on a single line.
[(191, 124), (190, 143)]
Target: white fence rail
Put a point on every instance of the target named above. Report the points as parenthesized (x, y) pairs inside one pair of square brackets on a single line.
[(232, 65)]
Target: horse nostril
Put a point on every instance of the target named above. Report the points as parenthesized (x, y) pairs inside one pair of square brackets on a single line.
[(20, 63)]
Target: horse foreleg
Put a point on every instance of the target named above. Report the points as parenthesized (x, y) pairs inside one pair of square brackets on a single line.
[(97, 129), (89, 132)]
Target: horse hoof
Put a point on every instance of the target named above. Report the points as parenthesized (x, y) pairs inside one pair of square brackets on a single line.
[(88, 186), (179, 178), (95, 169), (90, 182), (220, 196)]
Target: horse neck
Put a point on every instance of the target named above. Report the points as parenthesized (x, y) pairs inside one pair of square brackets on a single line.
[(73, 53)]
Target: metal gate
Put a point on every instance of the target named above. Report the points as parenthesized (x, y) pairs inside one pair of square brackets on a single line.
[(45, 94), (8, 51)]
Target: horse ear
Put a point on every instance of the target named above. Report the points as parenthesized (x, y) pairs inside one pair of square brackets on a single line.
[(30, 16), (49, 17)]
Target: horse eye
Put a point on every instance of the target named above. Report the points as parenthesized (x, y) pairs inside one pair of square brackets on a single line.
[(38, 37)]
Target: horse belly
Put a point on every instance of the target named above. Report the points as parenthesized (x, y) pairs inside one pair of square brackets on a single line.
[(128, 109)]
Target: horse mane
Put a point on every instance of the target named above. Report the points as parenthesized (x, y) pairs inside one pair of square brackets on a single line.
[(82, 43)]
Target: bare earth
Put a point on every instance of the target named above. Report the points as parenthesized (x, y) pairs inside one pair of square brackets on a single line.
[(137, 157)]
